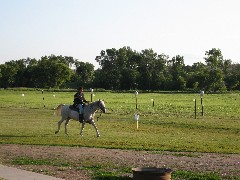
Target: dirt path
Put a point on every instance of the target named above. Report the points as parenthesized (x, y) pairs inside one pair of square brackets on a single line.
[(224, 164)]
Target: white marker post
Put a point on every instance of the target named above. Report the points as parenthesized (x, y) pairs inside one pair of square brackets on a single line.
[(136, 117), (195, 108), (136, 94), (43, 99), (152, 100), (91, 90), (23, 99), (201, 96)]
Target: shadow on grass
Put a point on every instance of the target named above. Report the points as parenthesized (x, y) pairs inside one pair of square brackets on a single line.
[(24, 136), (107, 177), (13, 136)]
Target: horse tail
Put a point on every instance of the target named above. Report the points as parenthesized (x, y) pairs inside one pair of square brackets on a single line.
[(59, 109)]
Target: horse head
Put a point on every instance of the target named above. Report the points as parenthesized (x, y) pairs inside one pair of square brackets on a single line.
[(102, 106)]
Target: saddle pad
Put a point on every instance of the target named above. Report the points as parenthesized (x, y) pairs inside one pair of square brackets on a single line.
[(73, 108)]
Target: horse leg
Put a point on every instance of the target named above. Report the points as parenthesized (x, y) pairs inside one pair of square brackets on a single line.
[(94, 125), (81, 132), (66, 123), (59, 124)]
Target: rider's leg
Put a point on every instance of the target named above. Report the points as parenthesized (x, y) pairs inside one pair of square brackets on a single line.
[(80, 113)]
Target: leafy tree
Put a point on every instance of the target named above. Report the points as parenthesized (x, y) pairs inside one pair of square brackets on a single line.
[(50, 73), (98, 81), (146, 68), (110, 68), (215, 76), (124, 69), (196, 76), (21, 79), (85, 72), (159, 72), (28, 73), (2, 80), (232, 79), (127, 66), (176, 68), (9, 72), (215, 80), (214, 58)]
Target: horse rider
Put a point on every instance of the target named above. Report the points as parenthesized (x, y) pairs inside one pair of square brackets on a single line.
[(79, 102)]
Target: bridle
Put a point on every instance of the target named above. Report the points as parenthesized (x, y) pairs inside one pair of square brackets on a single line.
[(101, 106)]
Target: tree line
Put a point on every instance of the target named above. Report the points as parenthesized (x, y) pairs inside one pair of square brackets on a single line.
[(124, 69)]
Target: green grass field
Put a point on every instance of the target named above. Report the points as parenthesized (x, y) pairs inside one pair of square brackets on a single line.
[(169, 125)]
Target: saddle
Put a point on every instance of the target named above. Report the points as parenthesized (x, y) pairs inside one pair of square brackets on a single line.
[(74, 108)]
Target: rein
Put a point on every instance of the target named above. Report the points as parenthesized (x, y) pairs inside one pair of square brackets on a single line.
[(100, 109), (99, 115), (98, 104)]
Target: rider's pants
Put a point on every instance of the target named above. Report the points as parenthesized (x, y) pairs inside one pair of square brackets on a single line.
[(80, 109)]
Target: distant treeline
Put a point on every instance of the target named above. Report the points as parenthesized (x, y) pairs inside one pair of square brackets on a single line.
[(124, 69)]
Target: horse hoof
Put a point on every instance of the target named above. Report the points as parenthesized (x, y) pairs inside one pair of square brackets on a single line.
[(98, 135)]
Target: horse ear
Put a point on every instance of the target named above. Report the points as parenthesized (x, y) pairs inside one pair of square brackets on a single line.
[(98, 99)]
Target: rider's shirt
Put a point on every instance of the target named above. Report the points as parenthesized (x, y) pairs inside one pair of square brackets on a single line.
[(79, 98)]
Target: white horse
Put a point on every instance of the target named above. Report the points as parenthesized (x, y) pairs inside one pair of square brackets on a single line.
[(88, 115)]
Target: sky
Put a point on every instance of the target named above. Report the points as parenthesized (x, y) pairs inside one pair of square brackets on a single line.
[(82, 28)]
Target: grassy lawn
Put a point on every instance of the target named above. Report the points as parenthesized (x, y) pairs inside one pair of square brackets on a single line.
[(168, 125), (27, 117)]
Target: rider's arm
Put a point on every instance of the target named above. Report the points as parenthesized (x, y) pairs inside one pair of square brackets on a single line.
[(83, 98), (76, 98)]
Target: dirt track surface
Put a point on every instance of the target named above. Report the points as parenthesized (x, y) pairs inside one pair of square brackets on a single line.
[(223, 164)]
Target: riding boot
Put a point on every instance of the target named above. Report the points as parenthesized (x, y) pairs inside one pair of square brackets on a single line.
[(81, 118)]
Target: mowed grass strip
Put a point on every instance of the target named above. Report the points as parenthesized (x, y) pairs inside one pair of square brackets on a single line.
[(168, 125)]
